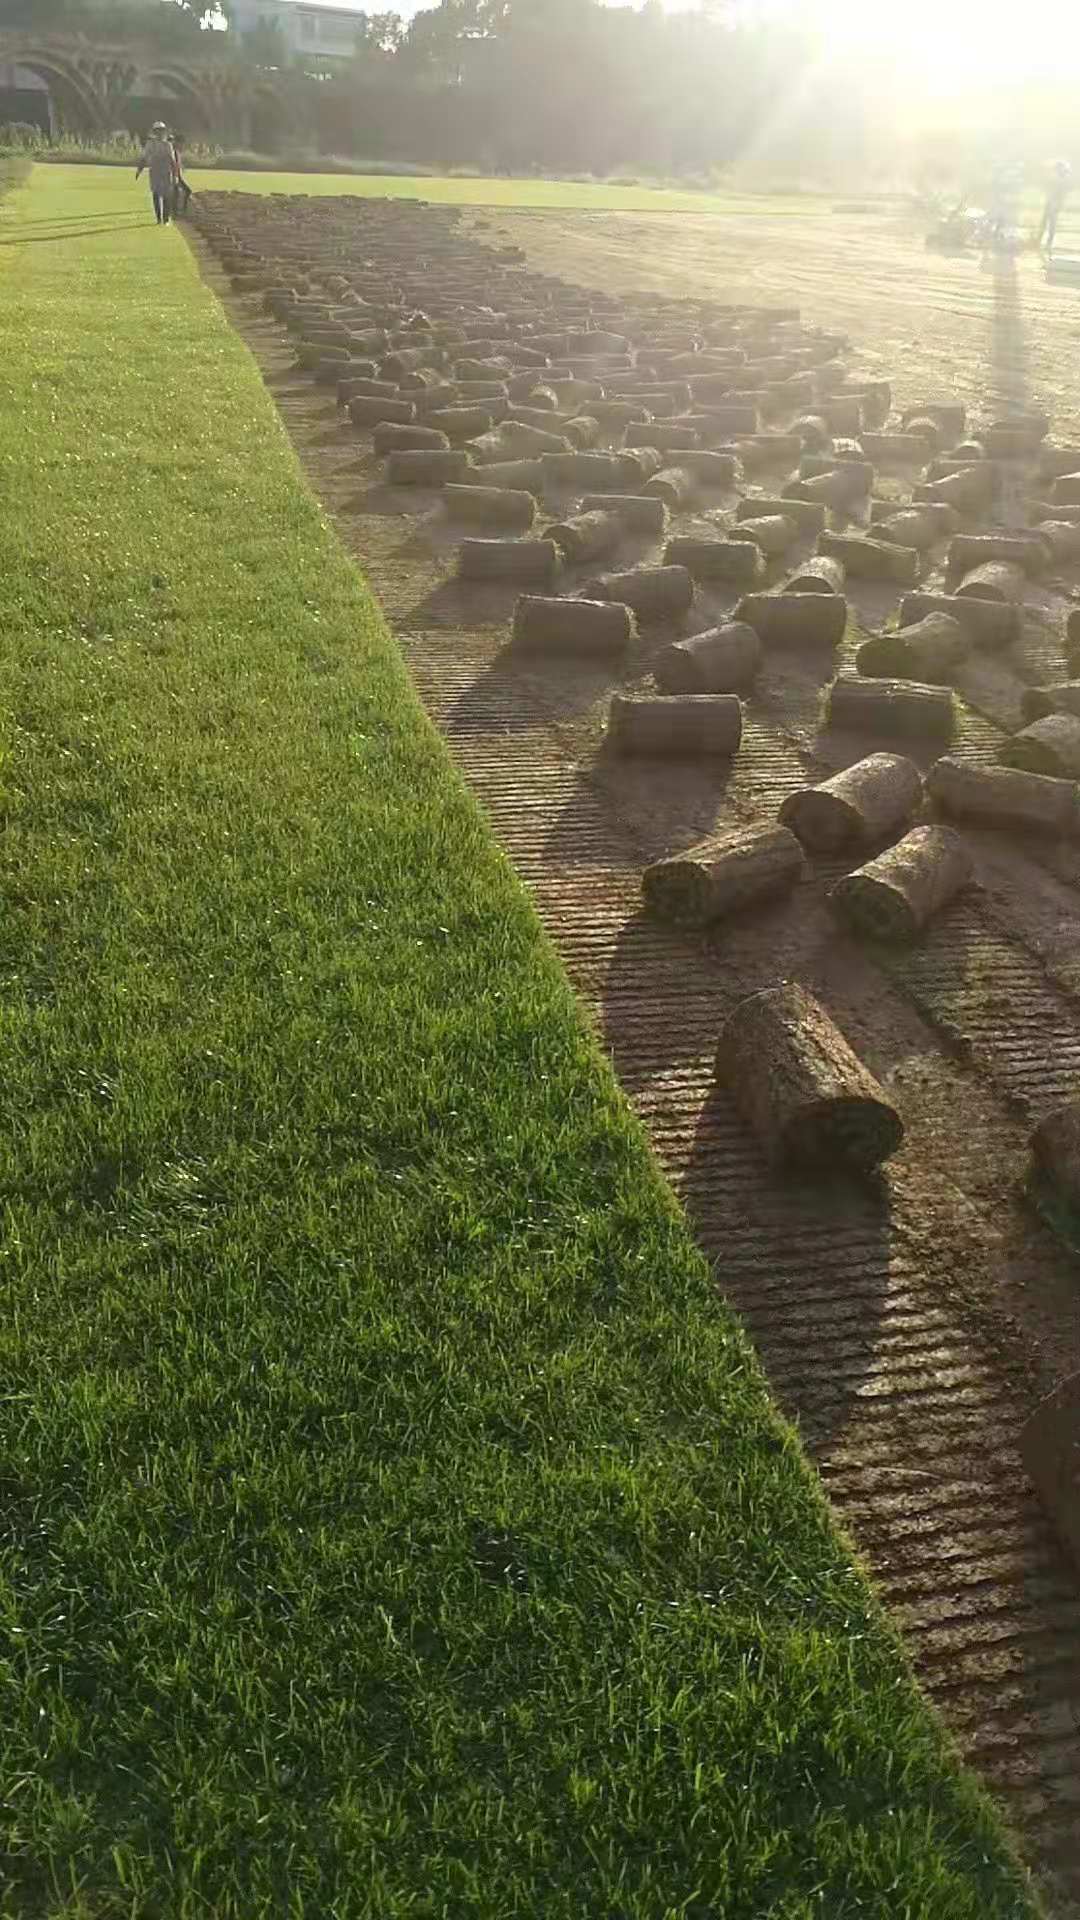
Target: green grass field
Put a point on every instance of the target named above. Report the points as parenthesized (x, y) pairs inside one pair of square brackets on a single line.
[(394, 1521)]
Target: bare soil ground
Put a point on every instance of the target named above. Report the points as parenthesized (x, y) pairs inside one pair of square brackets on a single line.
[(908, 1325), (993, 332)]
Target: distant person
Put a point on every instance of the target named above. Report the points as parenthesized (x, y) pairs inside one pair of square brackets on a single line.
[(1056, 195), (182, 195), (1003, 190), (159, 161)]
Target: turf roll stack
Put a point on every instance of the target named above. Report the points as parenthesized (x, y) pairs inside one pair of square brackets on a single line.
[(896, 895), (726, 873), (722, 660), (533, 562), (654, 593), (931, 651), (1003, 797), (583, 629), (894, 707), (683, 725), (491, 507), (423, 467), (795, 619), (803, 1091), (857, 808)]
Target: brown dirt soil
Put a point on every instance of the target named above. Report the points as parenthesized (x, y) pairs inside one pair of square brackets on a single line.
[(909, 1324), (990, 331)]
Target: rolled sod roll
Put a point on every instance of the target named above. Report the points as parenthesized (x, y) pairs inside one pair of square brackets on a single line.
[(892, 706), (1050, 746), (371, 413), (424, 379), (357, 386), (682, 723), (1049, 1440), (922, 427), (994, 580), (957, 462), (661, 434), (969, 491), (989, 622), (711, 467), (812, 431), (1063, 697), (536, 417), (459, 423), (722, 660), (949, 415), (1054, 461), (867, 559), (768, 449), (733, 870), (864, 804), (774, 533), (586, 536), (1025, 550), (1072, 629), (635, 467), (806, 1095), (843, 414), (432, 399), (1004, 442), (794, 619), (930, 651), (845, 457), (393, 439), (895, 896), (534, 561), (588, 628), (654, 593), (886, 449), (637, 511), (808, 515), (727, 560), (1062, 538), (426, 467), (523, 441), (582, 431), (836, 489), (675, 486), (1055, 1154), (600, 471), (820, 574), (1003, 796), (521, 476), (491, 507), (614, 415), (916, 527)]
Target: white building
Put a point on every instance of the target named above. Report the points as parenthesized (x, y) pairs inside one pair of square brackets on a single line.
[(311, 28)]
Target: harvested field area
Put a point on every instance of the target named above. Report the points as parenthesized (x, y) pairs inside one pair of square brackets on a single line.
[(990, 330), (911, 1321)]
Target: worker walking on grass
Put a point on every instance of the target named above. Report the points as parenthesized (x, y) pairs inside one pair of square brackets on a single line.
[(1056, 195), (159, 161)]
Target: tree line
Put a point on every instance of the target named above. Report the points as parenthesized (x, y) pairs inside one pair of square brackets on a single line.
[(516, 86)]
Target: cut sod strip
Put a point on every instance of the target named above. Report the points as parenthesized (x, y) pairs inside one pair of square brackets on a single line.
[(394, 1518)]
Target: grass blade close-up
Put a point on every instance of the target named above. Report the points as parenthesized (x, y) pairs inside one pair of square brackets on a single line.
[(395, 1519)]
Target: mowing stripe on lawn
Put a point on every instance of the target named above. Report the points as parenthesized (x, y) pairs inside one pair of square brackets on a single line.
[(394, 1519)]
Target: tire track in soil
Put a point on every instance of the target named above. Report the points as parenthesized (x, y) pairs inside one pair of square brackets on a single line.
[(905, 1325)]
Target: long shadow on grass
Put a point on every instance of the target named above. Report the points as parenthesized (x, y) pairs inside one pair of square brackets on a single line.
[(806, 1265), (83, 233)]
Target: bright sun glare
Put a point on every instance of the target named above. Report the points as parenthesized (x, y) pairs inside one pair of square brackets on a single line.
[(956, 44)]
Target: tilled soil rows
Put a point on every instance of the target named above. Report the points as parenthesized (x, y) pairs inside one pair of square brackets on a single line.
[(909, 1321)]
